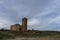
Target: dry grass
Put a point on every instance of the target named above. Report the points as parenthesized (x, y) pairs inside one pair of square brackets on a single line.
[(30, 35), (33, 38)]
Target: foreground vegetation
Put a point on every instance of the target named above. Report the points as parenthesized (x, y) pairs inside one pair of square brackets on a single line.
[(29, 33)]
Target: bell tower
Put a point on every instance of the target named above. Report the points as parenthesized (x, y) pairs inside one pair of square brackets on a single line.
[(24, 24)]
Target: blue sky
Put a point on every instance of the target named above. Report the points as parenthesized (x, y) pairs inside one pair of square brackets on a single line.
[(41, 14)]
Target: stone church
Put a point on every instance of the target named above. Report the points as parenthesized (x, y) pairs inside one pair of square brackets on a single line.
[(18, 27)]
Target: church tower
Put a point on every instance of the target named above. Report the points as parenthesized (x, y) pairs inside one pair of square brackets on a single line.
[(24, 24)]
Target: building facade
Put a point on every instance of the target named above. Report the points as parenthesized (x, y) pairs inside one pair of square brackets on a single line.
[(15, 27), (24, 24), (18, 27)]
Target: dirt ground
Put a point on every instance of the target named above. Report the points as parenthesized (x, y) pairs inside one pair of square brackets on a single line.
[(41, 38)]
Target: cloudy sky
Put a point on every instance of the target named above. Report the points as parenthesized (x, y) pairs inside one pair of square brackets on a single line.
[(41, 14)]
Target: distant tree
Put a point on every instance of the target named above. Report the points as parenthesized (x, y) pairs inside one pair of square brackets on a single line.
[(2, 29), (32, 29)]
